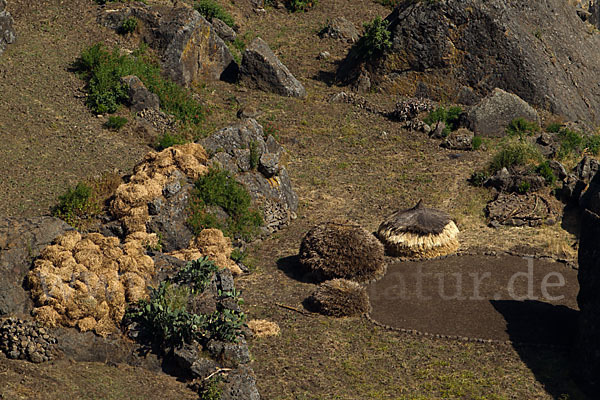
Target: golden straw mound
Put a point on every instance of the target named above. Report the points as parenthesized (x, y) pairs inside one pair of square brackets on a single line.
[(263, 328), (339, 298), (150, 177), (419, 233), (212, 244), (85, 281)]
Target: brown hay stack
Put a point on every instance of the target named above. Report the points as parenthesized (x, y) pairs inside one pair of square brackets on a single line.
[(339, 298), (340, 250), (419, 233), (263, 328)]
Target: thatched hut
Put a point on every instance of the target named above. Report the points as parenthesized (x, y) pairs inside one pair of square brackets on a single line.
[(419, 232)]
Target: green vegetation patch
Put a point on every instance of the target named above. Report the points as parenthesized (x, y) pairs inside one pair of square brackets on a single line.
[(514, 154), (210, 9), (375, 41), (572, 142), (521, 127), (115, 122), (300, 5), (128, 26), (165, 317), (219, 188), (103, 70), (167, 140), (451, 117), (544, 170)]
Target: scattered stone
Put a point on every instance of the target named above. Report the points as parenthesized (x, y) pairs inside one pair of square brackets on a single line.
[(262, 69), (460, 139), (363, 83), (576, 183), (558, 170), (492, 114), (240, 384), (437, 131), (515, 181), (229, 354), (467, 96), (224, 31), (324, 55), (339, 298), (341, 29), (140, 98), (7, 32), (520, 210), (24, 340), (248, 112), (409, 109), (342, 250)]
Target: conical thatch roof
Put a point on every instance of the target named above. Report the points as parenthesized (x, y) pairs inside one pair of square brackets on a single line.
[(419, 232)]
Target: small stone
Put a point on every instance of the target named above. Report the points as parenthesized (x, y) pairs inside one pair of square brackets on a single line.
[(324, 55)]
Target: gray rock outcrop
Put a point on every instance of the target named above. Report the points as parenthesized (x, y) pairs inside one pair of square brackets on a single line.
[(539, 50), (261, 69), (492, 114), (189, 47), (140, 98), (268, 181), (21, 241), (7, 32), (341, 29), (224, 31)]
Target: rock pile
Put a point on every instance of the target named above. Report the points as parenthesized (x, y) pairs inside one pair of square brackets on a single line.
[(22, 340)]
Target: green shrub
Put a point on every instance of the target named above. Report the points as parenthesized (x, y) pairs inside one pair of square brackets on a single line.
[(546, 172), (524, 187), (210, 389), (479, 177), (570, 142), (389, 3), (514, 154), (115, 122), (74, 204), (592, 144), (300, 5), (128, 26), (197, 274), (554, 128), (210, 9), (167, 140), (103, 70), (375, 40), (450, 116), (521, 127), (476, 142), (238, 256), (218, 188)]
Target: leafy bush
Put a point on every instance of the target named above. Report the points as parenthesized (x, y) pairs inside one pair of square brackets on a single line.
[(300, 5), (554, 128), (524, 187), (375, 40), (167, 140), (570, 142), (514, 154), (103, 70), (210, 9), (476, 142), (115, 122), (74, 204), (450, 116), (479, 177), (546, 172), (197, 274), (218, 188), (521, 127), (128, 26)]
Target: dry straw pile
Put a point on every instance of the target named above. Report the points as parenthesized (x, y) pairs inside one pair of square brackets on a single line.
[(339, 298), (86, 281), (342, 250), (419, 233)]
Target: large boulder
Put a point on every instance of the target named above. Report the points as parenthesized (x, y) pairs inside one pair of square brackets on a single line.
[(493, 113), (539, 50), (254, 160), (341, 29), (21, 241), (7, 32), (262, 69), (189, 47)]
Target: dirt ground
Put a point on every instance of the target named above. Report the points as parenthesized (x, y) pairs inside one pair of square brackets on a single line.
[(344, 163)]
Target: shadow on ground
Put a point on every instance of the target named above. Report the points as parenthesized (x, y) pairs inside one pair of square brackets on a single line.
[(292, 268), (552, 328)]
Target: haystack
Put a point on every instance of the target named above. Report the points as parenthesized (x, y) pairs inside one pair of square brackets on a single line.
[(264, 328), (339, 298), (419, 233), (342, 250)]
